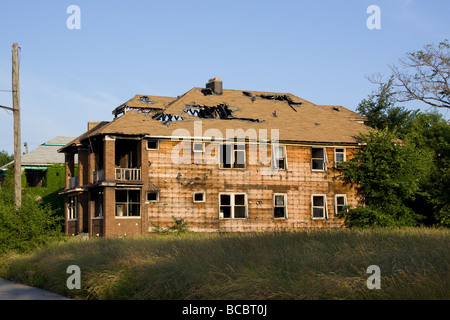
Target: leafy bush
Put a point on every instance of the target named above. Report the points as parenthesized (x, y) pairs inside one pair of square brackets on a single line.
[(179, 226), (29, 227)]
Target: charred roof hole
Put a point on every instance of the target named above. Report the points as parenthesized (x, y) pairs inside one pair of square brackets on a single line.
[(335, 109), (221, 111), (207, 91), (274, 97), (146, 99)]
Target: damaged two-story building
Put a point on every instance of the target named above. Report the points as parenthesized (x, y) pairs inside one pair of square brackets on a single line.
[(223, 160)]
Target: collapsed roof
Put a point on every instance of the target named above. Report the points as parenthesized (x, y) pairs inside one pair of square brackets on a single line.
[(296, 119)]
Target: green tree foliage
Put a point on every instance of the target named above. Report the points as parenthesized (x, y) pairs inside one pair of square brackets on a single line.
[(32, 225), (5, 158), (386, 174), (402, 173)]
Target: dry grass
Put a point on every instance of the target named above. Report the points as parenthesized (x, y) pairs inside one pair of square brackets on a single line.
[(316, 264)]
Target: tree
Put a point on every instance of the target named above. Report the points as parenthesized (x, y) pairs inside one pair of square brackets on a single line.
[(422, 75), (380, 111), (5, 158), (387, 174)]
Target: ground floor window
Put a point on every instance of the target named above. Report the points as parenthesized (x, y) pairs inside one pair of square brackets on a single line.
[(36, 178), (97, 198), (340, 202), (279, 206), (232, 205), (128, 203), (72, 207), (319, 206)]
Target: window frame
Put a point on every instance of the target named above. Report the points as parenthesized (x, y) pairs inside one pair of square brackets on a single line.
[(284, 195), (275, 161), (196, 143), (233, 152), (344, 151), (199, 192), (336, 202), (324, 150), (325, 207), (233, 205), (128, 204), (152, 140), (72, 208), (157, 196)]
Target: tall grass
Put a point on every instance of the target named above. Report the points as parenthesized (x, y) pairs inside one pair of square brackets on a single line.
[(315, 264)]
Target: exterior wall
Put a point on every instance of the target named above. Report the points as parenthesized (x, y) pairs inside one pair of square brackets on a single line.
[(298, 182), (177, 182)]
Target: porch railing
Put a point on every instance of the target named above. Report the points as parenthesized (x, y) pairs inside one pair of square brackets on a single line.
[(128, 174)]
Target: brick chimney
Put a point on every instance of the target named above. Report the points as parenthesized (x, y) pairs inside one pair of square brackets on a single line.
[(92, 124), (215, 84)]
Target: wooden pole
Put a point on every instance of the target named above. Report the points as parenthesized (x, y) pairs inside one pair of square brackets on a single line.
[(17, 144)]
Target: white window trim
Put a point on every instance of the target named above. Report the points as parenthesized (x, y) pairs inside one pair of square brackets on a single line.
[(157, 144), (324, 159), (152, 201), (345, 154), (232, 194), (198, 151), (325, 215), (275, 163), (71, 210), (335, 202), (196, 201), (233, 152), (285, 206)]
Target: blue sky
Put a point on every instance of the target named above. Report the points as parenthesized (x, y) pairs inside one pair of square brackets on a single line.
[(321, 51)]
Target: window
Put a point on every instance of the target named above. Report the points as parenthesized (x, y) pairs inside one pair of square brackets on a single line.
[(128, 203), (319, 206), (339, 156), (97, 199), (198, 147), (318, 159), (72, 207), (153, 196), (340, 202), (198, 196), (152, 144), (279, 206), (279, 157), (232, 156), (232, 206), (36, 178)]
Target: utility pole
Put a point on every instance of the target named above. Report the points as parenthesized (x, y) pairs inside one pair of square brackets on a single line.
[(17, 144)]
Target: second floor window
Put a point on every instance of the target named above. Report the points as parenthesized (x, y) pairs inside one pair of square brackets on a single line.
[(318, 159), (279, 157), (232, 156)]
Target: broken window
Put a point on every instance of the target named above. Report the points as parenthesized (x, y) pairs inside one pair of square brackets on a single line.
[(198, 196), (279, 157), (232, 156), (97, 199), (319, 206), (72, 207), (279, 206), (128, 203), (318, 159), (232, 205), (152, 144), (340, 202), (153, 196)]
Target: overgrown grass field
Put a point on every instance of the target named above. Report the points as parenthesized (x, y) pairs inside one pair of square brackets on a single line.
[(315, 264)]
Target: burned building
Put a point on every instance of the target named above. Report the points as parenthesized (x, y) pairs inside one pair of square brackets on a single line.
[(223, 160)]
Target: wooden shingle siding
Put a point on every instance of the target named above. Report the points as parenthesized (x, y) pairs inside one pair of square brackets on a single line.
[(177, 182)]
